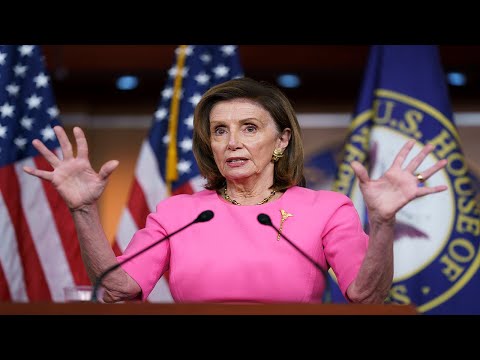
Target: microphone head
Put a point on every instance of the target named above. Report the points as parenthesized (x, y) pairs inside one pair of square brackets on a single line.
[(264, 219), (206, 215)]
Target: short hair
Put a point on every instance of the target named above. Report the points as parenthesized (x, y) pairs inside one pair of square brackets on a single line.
[(288, 170)]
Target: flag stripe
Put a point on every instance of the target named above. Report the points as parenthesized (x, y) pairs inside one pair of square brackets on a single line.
[(116, 247), (35, 279), (127, 228), (138, 205), (197, 183), (4, 291), (12, 283), (147, 175), (161, 291), (65, 226), (49, 248), (183, 189)]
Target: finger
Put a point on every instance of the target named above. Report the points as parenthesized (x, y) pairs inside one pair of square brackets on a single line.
[(42, 174), (360, 171), (430, 190), (417, 160), (108, 168), (81, 140), (434, 168), (403, 153), (64, 142), (46, 153)]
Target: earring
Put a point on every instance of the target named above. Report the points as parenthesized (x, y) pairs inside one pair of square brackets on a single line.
[(277, 154)]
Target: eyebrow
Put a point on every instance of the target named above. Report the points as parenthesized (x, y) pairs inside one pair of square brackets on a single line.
[(242, 121)]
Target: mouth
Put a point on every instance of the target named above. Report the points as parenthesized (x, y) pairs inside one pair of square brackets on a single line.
[(236, 161)]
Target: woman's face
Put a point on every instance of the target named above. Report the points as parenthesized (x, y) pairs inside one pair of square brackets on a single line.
[(243, 136)]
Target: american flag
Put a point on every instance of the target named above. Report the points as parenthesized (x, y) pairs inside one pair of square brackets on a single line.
[(39, 251), (166, 165)]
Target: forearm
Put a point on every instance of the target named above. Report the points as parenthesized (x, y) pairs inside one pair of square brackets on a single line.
[(375, 276), (98, 255)]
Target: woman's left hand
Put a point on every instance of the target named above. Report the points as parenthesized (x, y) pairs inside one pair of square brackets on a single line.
[(397, 186)]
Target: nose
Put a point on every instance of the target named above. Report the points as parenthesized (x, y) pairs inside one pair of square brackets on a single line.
[(234, 141)]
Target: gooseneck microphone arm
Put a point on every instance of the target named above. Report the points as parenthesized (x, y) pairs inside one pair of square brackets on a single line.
[(265, 220), (205, 216)]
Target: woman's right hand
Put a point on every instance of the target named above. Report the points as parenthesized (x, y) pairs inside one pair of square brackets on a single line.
[(73, 177)]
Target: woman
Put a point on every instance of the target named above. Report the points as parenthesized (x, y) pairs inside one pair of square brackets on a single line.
[(247, 144)]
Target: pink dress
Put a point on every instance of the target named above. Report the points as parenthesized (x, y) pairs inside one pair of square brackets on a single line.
[(234, 258)]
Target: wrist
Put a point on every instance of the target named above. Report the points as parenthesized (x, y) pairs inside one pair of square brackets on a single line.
[(84, 209), (378, 220)]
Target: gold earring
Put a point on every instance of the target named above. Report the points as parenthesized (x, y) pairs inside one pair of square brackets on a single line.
[(277, 154)]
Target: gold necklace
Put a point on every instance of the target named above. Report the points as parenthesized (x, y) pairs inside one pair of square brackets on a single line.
[(235, 202)]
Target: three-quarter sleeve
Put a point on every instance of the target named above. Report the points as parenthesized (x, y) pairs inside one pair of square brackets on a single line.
[(345, 243)]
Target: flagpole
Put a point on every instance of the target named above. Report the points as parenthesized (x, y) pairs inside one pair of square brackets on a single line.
[(172, 156)]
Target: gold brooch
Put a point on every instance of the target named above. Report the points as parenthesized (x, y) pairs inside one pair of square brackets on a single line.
[(285, 216)]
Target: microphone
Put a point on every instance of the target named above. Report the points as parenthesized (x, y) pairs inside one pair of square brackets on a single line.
[(204, 216), (265, 220)]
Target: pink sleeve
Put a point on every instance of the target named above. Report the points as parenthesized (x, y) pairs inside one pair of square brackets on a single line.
[(345, 243), (147, 268)]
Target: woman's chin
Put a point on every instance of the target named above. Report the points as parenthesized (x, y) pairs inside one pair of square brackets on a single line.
[(237, 176)]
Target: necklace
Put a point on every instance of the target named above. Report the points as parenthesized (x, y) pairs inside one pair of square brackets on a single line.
[(235, 202)]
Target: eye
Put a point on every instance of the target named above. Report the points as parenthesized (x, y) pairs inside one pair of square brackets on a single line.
[(219, 130), (251, 128)]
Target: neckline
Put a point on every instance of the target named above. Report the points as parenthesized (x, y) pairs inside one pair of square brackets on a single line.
[(235, 202), (268, 203)]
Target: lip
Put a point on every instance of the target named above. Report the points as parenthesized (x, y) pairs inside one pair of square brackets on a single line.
[(234, 162), (236, 158)]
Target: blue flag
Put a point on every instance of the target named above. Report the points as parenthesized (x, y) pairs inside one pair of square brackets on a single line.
[(436, 246)]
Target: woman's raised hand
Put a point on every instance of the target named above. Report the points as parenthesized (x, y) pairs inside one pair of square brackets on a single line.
[(73, 177), (397, 186)]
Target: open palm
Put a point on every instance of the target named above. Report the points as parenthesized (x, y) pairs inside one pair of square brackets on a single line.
[(73, 177), (397, 186)]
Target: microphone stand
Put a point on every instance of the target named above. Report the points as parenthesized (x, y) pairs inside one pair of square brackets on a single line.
[(205, 216)]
